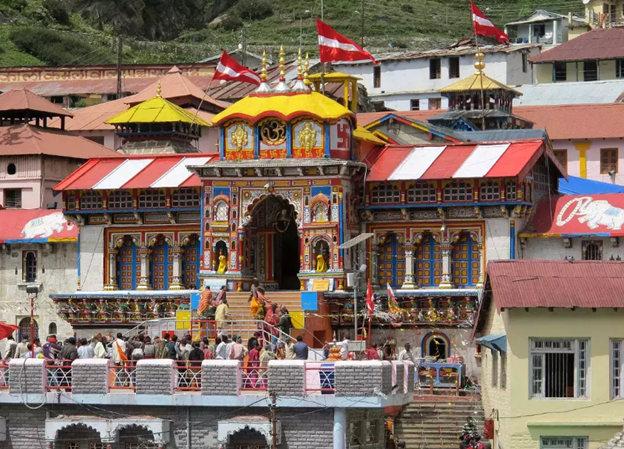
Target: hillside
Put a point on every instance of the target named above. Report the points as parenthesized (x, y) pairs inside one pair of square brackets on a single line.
[(83, 32)]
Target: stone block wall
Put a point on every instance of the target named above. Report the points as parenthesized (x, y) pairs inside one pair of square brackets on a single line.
[(90, 376), (398, 377), (155, 376), (221, 377), (370, 433), (287, 377), (410, 376), (362, 378), (27, 376)]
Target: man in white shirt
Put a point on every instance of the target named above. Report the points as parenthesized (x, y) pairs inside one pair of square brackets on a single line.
[(228, 348), (221, 351), (119, 345), (406, 354), (344, 348)]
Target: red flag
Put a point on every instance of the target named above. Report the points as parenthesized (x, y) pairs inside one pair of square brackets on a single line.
[(393, 305), (370, 304), (7, 329), (334, 47), (230, 70), (484, 27)]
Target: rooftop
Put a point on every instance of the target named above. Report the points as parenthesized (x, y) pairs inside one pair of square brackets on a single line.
[(477, 81), (156, 110), (541, 15), (579, 92), (600, 43), (556, 283), (20, 100)]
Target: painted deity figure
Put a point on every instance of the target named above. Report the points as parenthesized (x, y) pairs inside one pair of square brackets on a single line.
[(222, 268), (321, 263)]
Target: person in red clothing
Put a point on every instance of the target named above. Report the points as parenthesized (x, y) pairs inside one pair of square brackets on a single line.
[(371, 353)]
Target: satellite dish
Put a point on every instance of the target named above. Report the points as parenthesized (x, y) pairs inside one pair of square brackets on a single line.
[(586, 1), (363, 268)]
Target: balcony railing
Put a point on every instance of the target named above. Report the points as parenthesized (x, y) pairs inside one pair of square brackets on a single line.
[(123, 377)]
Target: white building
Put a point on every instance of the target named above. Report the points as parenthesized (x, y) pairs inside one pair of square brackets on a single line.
[(411, 81), (545, 27)]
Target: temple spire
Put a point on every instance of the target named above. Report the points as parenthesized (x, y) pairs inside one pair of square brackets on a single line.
[(300, 85), (264, 87), (158, 89), (282, 87)]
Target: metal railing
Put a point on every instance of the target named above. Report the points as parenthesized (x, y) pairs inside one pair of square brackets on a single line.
[(254, 377), (4, 374), (123, 377), (59, 374), (188, 376), (320, 378)]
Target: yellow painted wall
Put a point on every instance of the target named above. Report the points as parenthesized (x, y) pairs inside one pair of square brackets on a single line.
[(575, 71), (563, 417), (543, 73), (496, 398), (576, 32), (606, 70)]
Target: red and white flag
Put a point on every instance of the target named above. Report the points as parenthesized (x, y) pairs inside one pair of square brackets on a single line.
[(334, 47), (370, 303), (484, 26), (229, 69)]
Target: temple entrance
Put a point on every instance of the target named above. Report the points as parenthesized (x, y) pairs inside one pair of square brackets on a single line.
[(273, 246)]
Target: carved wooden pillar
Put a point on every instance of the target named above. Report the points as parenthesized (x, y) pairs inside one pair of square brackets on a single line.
[(446, 248), (144, 282), (112, 270), (409, 282), (176, 279), (375, 266)]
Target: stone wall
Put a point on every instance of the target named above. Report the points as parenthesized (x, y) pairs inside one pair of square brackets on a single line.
[(27, 376), (287, 377), (224, 377), (155, 376), (302, 428), (56, 272), (363, 378), (90, 376)]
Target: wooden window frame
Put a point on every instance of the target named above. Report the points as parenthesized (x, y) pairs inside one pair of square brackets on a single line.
[(603, 153), (435, 73), (377, 76), (415, 101), (558, 153), (454, 72)]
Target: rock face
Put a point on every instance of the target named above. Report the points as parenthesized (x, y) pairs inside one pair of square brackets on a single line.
[(616, 441)]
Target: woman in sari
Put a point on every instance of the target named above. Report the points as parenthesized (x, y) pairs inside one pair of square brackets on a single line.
[(253, 365), (253, 298)]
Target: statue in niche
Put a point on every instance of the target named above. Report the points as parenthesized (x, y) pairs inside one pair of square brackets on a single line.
[(321, 258), (222, 268)]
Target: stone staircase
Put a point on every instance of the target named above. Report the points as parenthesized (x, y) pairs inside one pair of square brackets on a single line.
[(437, 423), (239, 305)]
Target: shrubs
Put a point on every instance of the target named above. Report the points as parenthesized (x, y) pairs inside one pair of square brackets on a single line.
[(246, 11), (58, 48)]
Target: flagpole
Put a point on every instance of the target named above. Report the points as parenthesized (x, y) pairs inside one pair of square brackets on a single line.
[(480, 68)]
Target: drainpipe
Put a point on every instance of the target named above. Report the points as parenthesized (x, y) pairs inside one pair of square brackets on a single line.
[(340, 426)]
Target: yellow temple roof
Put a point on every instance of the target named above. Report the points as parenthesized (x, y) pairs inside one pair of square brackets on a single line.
[(362, 134), (473, 83), (156, 110), (333, 77), (285, 106)]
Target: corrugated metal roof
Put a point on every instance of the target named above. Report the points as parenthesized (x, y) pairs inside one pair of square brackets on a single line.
[(136, 172), (431, 162), (28, 139), (556, 283), (601, 43), (24, 100), (570, 93)]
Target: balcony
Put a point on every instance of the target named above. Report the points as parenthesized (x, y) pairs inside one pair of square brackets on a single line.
[(208, 383)]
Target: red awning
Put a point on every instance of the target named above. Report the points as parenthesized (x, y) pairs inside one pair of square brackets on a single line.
[(578, 215), (35, 226)]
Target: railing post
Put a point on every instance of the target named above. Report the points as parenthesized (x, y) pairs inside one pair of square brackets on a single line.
[(90, 376), (221, 377), (155, 376), (28, 376)]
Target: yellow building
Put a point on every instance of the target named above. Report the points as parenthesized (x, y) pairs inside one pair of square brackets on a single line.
[(551, 339)]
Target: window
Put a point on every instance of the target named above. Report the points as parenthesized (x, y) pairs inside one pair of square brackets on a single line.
[(560, 72), (190, 263), (435, 103), (616, 369), (539, 30), (453, 68), (162, 265), (355, 434), (592, 250), (120, 199), (392, 262), (458, 191), (619, 67), (503, 370), (511, 191), (129, 265), (29, 261), (490, 191), (421, 192), (466, 262), (221, 211), (541, 179), (434, 69), (494, 368), (13, 198), (376, 76), (559, 368), (525, 62), (414, 105), (590, 71), (385, 193), (562, 158), (11, 169), (91, 200), (52, 329), (372, 432), (152, 199), (608, 161), (320, 212), (70, 201), (564, 443), (185, 197)]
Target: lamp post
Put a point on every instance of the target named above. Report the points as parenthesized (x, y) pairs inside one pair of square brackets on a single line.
[(33, 292)]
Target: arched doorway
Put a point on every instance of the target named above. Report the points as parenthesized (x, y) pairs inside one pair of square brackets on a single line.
[(28, 329), (247, 439), (136, 437), (78, 436), (437, 345), (272, 244)]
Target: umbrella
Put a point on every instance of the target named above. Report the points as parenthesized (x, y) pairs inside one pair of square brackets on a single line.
[(7, 329)]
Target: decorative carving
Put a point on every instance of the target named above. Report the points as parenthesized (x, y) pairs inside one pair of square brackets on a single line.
[(307, 137), (494, 212), (273, 132), (424, 215), (239, 138), (462, 212)]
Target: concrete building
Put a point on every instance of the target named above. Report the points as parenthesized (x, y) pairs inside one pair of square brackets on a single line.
[(551, 353), (545, 27), (411, 81)]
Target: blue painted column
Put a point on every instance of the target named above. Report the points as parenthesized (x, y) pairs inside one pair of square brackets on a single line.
[(256, 133), (340, 428), (289, 141), (222, 143), (512, 239), (327, 140)]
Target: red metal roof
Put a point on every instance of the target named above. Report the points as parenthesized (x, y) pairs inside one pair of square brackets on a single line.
[(136, 172), (28, 139), (556, 283), (579, 215), (601, 43), (21, 99), (35, 225), (487, 160)]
